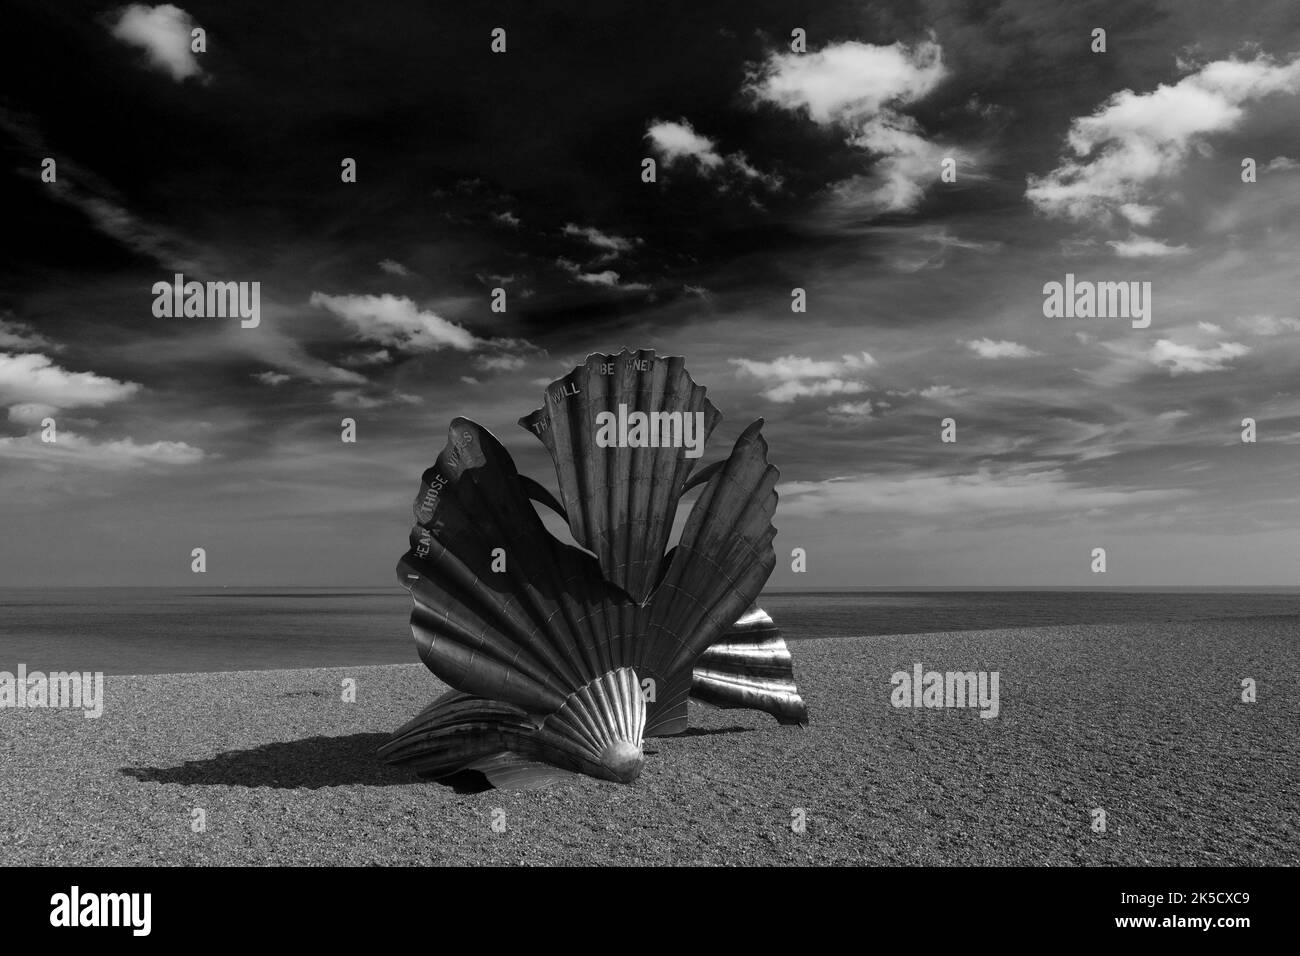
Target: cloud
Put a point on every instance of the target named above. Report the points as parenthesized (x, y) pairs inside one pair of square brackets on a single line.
[(118, 222), (608, 279), (30, 413), (20, 336), (394, 268), (611, 245), (851, 411), (33, 378), (1138, 214), (353, 398), (396, 321), (941, 393), (848, 82), (1268, 324), (270, 347), (989, 349), (928, 247), (1281, 164), (862, 88), (677, 142), (1209, 328), (81, 452), (1137, 247), (272, 378), (789, 391), (794, 376), (1188, 359), (163, 32), (1131, 149), (84, 191), (975, 495), (363, 359), (507, 218), (500, 363), (35, 388)]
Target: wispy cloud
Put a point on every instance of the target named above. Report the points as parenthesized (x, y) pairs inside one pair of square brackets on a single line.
[(606, 279), (975, 495), (676, 143), (851, 411), (82, 189), (397, 322), (81, 452), (794, 376), (363, 359), (1143, 247), (357, 400), (500, 363), (1189, 359), (610, 245), (989, 349), (941, 393), (22, 337), (1268, 325)]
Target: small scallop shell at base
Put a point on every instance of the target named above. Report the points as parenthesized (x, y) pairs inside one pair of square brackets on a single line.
[(598, 732)]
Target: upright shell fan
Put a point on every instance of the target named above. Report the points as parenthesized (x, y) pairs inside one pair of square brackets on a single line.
[(621, 501), (561, 661)]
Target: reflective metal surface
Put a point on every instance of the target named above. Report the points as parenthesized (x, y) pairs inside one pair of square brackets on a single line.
[(547, 644), (750, 667)]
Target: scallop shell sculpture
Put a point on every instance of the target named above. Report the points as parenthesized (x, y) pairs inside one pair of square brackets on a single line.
[(562, 660)]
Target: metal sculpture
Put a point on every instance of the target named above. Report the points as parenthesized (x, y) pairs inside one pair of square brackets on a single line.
[(563, 660)]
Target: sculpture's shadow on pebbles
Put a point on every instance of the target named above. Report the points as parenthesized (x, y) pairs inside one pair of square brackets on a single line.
[(712, 731), (312, 763)]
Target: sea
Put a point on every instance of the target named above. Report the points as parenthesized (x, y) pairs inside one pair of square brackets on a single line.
[(185, 630)]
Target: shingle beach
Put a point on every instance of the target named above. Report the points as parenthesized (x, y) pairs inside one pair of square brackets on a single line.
[(1144, 722)]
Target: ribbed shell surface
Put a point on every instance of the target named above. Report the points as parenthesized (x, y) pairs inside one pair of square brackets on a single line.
[(750, 667), (464, 732), (503, 610), (621, 499)]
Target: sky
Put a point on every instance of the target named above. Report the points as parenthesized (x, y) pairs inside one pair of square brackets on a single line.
[(820, 168)]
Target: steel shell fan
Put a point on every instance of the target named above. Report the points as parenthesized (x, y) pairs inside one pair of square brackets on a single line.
[(563, 659)]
